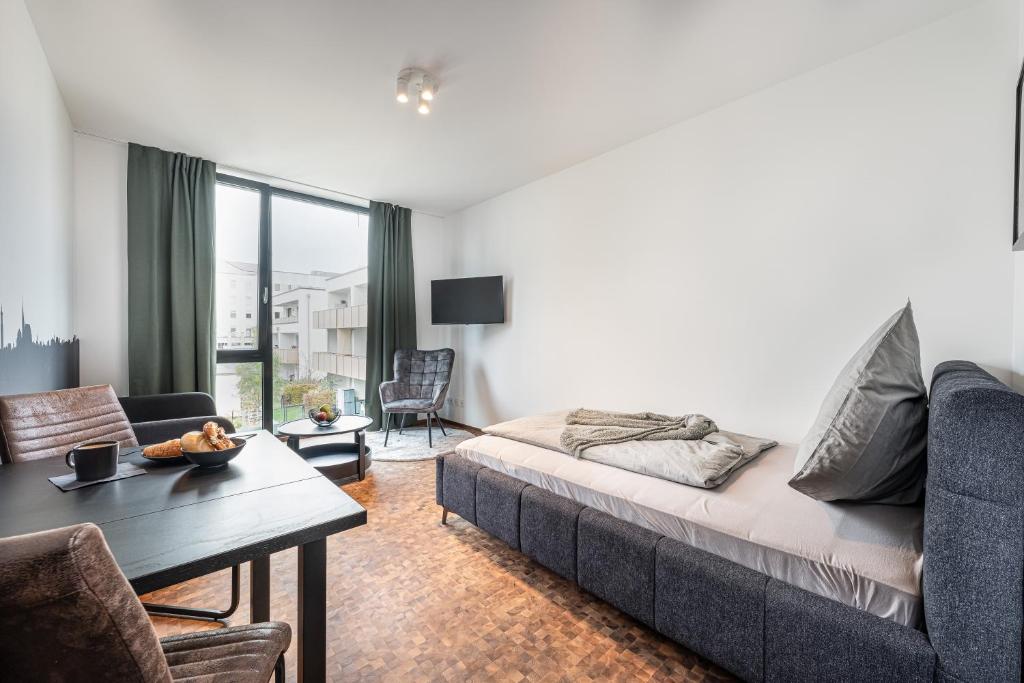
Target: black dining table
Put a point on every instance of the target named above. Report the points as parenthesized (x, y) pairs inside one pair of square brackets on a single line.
[(178, 522)]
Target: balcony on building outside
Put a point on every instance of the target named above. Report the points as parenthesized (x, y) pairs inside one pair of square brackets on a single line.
[(340, 364), (287, 356), (345, 317), (285, 320)]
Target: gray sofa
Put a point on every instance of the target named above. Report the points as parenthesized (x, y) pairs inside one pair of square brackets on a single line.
[(762, 629)]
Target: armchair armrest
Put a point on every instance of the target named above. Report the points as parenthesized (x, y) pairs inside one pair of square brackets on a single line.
[(167, 406), (437, 398), (389, 391), (157, 431)]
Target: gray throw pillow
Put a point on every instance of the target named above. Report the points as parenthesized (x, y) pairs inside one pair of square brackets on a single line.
[(868, 442)]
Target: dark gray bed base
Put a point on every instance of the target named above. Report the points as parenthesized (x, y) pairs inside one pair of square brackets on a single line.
[(765, 630)]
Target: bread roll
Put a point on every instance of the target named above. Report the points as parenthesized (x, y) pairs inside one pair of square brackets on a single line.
[(195, 442)]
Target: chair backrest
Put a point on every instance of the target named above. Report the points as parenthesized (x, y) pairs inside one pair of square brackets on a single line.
[(974, 525), (48, 424), (68, 613), (421, 371)]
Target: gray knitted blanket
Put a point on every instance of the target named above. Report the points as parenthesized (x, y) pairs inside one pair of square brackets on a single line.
[(587, 428)]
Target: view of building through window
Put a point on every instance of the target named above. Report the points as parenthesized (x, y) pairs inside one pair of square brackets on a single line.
[(317, 302)]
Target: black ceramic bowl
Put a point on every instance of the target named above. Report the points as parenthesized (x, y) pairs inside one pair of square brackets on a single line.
[(210, 459), (328, 423)]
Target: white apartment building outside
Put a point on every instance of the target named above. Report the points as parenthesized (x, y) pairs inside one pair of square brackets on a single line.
[(318, 327), (343, 321), (237, 309)]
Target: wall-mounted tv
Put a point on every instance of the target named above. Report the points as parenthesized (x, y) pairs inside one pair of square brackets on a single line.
[(467, 301)]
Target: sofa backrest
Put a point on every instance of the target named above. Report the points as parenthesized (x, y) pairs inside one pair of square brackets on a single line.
[(973, 527), (155, 407)]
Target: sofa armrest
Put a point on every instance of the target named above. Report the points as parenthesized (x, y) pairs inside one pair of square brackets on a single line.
[(167, 406), (157, 431)]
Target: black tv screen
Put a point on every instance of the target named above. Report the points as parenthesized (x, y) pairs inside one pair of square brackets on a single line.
[(467, 301)]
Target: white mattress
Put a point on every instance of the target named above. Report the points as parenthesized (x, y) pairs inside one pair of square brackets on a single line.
[(865, 556)]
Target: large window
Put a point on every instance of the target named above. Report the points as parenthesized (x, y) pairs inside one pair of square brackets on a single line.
[(291, 303)]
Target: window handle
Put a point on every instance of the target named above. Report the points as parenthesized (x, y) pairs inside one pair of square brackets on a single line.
[(266, 294)]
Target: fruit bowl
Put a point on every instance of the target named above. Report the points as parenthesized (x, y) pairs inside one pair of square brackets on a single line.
[(332, 415)]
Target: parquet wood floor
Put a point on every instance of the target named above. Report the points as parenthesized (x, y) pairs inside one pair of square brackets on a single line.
[(411, 600)]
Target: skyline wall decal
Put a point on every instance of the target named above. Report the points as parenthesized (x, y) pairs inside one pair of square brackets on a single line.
[(28, 365)]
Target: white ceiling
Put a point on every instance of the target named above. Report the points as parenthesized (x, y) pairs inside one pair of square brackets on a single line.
[(304, 89)]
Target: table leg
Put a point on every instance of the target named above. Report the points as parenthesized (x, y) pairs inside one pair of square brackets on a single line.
[(312, 640), (361, 465), (259, 589), (293, 443)]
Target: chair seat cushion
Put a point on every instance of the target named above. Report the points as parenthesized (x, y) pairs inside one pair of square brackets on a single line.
[(409, 405), (238, 654)]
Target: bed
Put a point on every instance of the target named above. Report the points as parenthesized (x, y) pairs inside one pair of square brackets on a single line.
[(769, 583)]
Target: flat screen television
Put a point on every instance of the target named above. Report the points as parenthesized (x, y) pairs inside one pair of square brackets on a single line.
[(467, 301)]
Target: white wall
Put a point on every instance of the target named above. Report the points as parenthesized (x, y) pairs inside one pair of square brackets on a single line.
[(101, 260), (732, 263), (35, 184), (435, 254)]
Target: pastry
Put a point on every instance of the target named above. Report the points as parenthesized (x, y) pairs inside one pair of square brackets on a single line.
[(167, 449), (195, 442), (212, 438), (214, 434)]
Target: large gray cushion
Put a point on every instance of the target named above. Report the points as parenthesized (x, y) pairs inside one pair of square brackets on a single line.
[(868, 442)]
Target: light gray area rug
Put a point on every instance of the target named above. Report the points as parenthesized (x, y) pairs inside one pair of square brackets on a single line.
[(412, 444)]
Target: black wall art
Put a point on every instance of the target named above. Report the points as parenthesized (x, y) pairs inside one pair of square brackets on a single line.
[(29, 365)]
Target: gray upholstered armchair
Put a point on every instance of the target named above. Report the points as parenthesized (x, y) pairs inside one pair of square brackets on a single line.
[(420, 386)]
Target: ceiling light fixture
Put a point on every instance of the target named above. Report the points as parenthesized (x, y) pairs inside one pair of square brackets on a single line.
[(402, 91), (427, 89), (415, 80)]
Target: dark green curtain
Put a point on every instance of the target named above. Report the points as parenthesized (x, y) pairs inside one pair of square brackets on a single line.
[(391, 298), (171, 224)]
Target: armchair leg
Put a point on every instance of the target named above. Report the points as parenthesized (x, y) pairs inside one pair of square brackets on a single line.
[(401, 424), (181, 612), (279, 669), (387, 428), (440, 424), (430, 435)]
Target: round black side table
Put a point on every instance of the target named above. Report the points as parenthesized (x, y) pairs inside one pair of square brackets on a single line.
[(333, 460)]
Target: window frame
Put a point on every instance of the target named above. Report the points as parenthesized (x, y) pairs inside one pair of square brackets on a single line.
[(264, 351)]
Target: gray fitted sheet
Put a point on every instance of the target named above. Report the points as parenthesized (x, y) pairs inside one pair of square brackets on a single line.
[(866, 556)]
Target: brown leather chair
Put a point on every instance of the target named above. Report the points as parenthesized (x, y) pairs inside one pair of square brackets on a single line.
[(50, 423), (68, 613)]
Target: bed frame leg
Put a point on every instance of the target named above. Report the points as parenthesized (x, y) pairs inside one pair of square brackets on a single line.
[(444, 516)]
